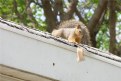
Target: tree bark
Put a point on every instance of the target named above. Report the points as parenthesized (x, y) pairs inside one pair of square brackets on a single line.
[(49, 14), (95, 19), (112, 25)]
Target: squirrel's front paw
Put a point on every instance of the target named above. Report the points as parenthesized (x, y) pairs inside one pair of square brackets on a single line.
[(73, 42)]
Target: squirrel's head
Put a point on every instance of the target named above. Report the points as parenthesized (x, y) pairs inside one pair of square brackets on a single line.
[(78, 31)]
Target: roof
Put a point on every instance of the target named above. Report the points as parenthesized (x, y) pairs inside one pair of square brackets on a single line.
[(47, 35)]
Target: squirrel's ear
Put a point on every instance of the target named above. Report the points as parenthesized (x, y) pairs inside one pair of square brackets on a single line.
[(78, 26)]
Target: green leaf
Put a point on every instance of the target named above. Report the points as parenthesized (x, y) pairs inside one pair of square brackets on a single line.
[(94, 1)]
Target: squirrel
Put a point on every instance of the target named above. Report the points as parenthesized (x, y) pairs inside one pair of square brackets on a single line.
[(71, 34), (76, 32)]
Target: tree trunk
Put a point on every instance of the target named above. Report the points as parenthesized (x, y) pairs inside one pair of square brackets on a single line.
[(112, 25), (49, 14)]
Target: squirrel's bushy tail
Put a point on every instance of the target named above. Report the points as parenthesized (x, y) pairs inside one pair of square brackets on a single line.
[(71, 24)]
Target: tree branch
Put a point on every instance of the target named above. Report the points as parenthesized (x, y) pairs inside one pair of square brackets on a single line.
[(37, 3), (80, 17), (99, 23), (71, 10), (17, 13), (118, 8), (95, 19), (30, 14), (58, 9), (119, 51)]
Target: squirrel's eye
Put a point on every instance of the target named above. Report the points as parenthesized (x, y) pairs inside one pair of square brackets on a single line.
[(80, 31)]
